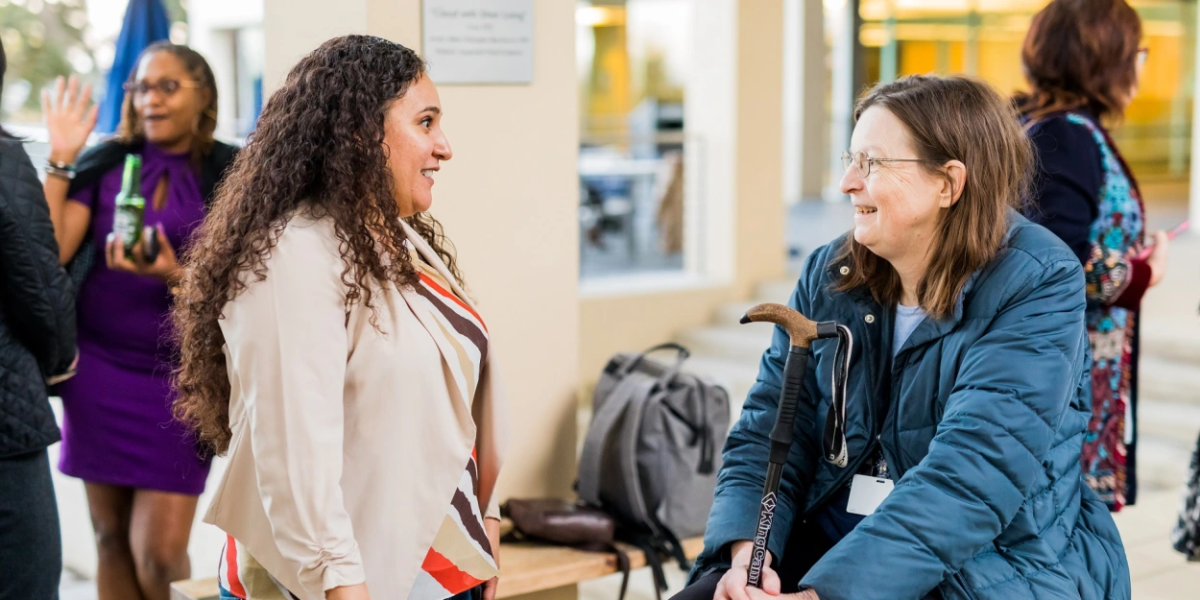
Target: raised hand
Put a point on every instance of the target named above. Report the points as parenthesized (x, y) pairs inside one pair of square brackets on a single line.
[(70, 118)]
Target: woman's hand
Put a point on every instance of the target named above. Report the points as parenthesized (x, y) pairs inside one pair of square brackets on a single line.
[(734, 586), (349, 592), (1158, 258), (165, 266), (757, 594), (70, 117), (492, 526)]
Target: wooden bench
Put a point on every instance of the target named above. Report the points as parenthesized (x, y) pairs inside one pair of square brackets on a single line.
[(525, 568)]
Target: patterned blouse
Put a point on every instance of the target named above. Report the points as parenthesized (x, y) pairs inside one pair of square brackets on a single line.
[(1088, 196)]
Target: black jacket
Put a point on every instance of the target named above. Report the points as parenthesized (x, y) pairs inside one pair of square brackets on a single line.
[(109, 154), (37, 307)]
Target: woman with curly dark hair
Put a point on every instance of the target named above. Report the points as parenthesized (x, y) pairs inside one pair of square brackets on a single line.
[(141, 470), (330, 350)]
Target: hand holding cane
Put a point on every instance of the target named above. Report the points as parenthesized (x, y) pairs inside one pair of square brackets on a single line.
[(802, 332)]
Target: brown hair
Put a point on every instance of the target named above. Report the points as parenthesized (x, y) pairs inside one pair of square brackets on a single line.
[(129, 130), (950, 118), (1080, 54), (318, 147)]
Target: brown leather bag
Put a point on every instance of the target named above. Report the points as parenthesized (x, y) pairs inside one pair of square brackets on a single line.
[(559, 521), (568, 524)]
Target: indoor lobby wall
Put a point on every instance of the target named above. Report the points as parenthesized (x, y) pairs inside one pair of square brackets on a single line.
[(508, 201)]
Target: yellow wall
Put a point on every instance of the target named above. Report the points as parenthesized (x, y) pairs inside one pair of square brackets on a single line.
[(509, 202), (615, 324)]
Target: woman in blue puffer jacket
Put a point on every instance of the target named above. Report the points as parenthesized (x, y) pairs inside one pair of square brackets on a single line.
[(968, 391)]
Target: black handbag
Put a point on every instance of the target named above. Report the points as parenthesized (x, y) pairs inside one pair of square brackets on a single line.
[(1186, 536)]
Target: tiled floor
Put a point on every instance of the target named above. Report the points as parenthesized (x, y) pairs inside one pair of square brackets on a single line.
[(1158, 572), (76, 588)]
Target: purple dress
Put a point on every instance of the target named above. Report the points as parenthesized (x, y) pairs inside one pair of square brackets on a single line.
[(117, 425)]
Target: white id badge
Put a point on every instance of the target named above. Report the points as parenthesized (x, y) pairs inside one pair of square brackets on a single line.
[(867, 493)]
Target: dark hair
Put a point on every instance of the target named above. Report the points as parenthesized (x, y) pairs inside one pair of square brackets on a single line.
[(950, 118), (129, 130), (1080, 54), (318, 148), (3, 69)]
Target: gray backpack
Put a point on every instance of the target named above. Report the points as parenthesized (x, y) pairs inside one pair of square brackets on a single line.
[(653, 450)]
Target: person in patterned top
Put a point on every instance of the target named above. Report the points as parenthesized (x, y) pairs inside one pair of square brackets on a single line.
[(1087, 195)]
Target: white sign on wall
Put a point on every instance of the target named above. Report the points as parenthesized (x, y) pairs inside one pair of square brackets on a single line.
[(479, 41)]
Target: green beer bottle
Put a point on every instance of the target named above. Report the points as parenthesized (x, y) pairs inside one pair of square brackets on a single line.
[(131, 206)]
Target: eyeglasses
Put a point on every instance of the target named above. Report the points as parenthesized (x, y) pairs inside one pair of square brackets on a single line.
[(862, 162), (1142, 54), (168, 87)]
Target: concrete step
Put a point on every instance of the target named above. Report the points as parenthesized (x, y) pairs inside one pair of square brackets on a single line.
[(1169, 422), (1162, 464), (1165, 380), (1178, 342), (741, 343)]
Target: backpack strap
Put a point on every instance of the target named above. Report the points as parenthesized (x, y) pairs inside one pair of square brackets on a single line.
[(707, 446), (645, 389), (646, 543), (599, 432), (675, 548), (622, 561), (681, 353)]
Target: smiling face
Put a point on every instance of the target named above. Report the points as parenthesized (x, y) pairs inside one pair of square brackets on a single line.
[(170, 105), (897, 205), (415, 145)]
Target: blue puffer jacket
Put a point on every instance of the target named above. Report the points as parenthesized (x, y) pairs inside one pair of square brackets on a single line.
[(981, 422)]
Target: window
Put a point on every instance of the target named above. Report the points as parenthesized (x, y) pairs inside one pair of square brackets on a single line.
[(639, 202)]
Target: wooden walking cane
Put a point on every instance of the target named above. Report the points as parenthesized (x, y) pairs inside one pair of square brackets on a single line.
[(802, 332)]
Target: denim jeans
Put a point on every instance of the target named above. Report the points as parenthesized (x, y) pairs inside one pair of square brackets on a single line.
[(30, 544)]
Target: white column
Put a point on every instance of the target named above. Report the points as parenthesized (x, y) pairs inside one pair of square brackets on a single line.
[(844, 23), (710, 157), (1194, 193), (805, 128)]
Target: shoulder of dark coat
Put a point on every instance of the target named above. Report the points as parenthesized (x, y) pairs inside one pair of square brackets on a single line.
[(1065, 145), (818, 267), (15, 165), (1032, 257), (9, 154), (98, 160), (12, 152), (1060, 131), (222, 154)]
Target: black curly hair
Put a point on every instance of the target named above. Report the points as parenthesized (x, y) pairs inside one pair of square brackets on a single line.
[(318, 146)]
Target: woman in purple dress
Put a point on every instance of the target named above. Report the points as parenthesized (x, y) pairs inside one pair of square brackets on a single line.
[(142, 470)]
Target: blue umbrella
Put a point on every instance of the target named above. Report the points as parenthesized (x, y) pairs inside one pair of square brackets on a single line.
[(146, 22)]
